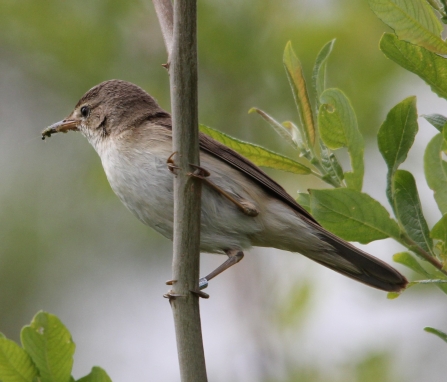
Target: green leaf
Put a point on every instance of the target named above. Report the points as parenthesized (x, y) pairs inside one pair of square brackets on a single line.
[(406, 258), (439, 230), (443, 10), (396, 136), (435, 5), (409, 211), (437, 120), (278, 127), (427, 65), (303, 200), (330, 164), (296, 136), (319, 72), (96, 375), (338, 128), (442, 284), (413, 21), (436, 332), (436, 274), (15, 364), (297, 82), (334, 172), (352, 215), (440, 8), (436, 171), (257, 154), (50, 346)]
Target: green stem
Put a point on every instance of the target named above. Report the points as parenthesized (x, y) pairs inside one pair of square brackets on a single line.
[(406, 241), (317, 164), (309, 154), (317, 174)]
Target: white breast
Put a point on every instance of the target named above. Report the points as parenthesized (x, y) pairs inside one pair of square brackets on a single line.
[(143, 183)]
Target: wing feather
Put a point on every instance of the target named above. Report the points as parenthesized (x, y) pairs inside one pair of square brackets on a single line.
[(236, 160), (371, 271)]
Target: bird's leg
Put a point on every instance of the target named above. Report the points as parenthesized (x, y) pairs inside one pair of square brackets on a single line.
[(245, 206), (234, 256)]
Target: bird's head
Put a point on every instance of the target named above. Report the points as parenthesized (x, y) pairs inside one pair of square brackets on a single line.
[(107, 110)]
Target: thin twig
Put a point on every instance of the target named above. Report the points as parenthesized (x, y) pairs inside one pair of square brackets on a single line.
[(413, 246), (181, 44), (165, 14)]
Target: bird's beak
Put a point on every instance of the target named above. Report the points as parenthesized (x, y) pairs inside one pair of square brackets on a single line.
[(60, 127)]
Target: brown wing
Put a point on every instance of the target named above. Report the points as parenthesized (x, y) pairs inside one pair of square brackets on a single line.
[(370, 270), (236, 160)]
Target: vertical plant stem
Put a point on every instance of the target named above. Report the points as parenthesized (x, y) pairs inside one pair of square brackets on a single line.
[(165, 15), (187, 191)]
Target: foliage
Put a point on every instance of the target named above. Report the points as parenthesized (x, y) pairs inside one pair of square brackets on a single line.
[(46, 354), (331, 124), (436, 332), (60, 49), (92, 46)]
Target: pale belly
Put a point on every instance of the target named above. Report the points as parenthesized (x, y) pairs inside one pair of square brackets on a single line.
[(145, 186)]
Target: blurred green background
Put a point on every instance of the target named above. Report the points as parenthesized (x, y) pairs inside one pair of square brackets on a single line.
[(68, 246)]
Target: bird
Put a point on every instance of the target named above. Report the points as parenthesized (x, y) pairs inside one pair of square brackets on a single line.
[(241, 206)]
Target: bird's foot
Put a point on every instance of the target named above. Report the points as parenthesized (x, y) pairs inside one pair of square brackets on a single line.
[(199, 172), (171, 164), (201, 294), (248, 208), (198, 292)]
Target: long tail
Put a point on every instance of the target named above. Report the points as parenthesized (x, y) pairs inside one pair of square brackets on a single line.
[(358, 265)]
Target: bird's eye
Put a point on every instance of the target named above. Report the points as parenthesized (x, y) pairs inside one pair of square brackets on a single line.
[(85, 111)]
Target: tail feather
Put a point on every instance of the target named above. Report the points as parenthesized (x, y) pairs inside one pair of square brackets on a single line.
[(365, 268)]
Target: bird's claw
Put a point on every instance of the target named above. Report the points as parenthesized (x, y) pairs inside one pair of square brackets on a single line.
[(201, 294), (172, 296), (248, 208), (199, 172), (203, 283), (171, 164)]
